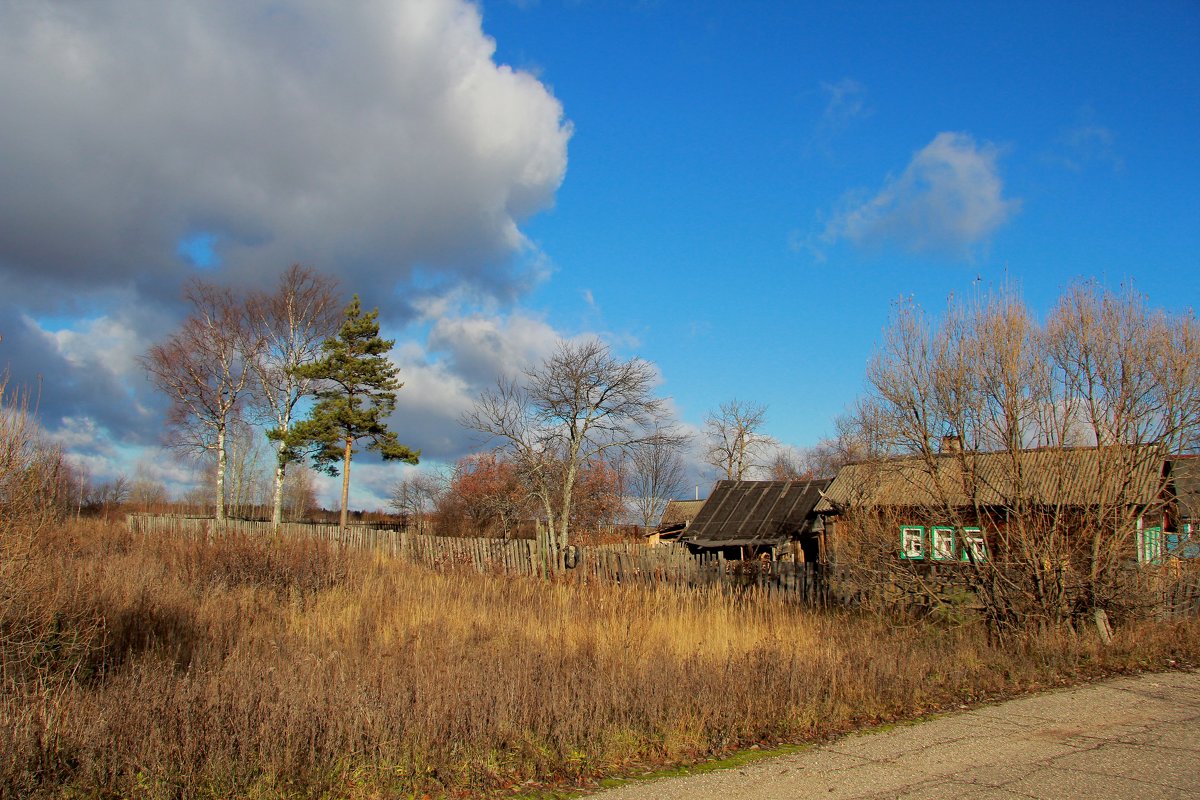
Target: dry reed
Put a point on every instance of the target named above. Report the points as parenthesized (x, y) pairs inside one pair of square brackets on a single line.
[(178, 668)]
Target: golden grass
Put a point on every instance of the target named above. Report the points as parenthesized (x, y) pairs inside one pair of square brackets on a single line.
[(178, 668)]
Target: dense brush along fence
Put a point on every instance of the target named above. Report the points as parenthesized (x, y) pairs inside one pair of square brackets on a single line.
[(1172, 589), (633, 563)]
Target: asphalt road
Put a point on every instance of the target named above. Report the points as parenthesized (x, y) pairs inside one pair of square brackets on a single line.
[(1125, 738)]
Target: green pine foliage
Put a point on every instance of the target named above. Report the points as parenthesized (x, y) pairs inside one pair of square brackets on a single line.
[(358, 385)]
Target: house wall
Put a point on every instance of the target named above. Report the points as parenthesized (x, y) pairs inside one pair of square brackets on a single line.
[(1067, 532)]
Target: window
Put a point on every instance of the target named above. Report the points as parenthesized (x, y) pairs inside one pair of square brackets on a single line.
[(1184, 544), (942, 543), (1149, 545), (912, 542), (973, 548)]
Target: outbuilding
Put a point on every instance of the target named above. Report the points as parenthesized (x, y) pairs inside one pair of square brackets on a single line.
[(772, 520)]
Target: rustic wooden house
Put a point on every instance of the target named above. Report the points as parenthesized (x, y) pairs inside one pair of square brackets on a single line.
[(1182, 538), (676, 519), (952, 506), (760, 519)]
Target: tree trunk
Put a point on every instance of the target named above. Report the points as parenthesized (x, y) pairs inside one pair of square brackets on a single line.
[(277, 507), (346, 482), (220, 510), (564, 522)]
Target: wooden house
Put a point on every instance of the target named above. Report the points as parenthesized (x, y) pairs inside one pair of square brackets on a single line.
[(760, 519), (953, 506), (676, 519), (1182, 538)]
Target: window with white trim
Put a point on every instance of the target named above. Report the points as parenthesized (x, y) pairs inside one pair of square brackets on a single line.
[(942, 543), (912, 542), (1149, 544), (973, 547)]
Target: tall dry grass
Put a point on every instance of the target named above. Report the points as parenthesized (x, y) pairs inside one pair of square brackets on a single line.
[(179, 668)]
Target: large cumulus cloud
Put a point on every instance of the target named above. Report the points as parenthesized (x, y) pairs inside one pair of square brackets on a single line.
[(370, 137), (378, 141)]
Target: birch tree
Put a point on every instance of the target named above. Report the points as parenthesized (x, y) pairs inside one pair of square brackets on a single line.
[(293, 321), (204, 368)]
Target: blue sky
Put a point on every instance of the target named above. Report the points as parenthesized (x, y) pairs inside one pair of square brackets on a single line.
[(736, 191), (714, 140)]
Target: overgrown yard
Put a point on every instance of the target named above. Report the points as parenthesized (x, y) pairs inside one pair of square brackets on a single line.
[(176, 668)]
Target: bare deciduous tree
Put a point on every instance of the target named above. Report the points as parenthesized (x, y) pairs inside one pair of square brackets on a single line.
[(246, 464), (655, 473), (299, 492), (984, 406), (788, 464), (416, 495), (147, 492), (736, 444), (577, 406), (34, 477), (292, 322), (205, 370)]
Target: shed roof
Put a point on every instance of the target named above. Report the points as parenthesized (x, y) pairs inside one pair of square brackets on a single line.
[(1185, 474), (1082, 476), (679, 512), (755, 512)]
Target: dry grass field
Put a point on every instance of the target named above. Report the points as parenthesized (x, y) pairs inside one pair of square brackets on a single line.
[(168, 667)]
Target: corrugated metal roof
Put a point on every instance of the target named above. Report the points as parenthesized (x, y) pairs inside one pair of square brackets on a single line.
[(1185, 474), (679, 512), (755, 512), (1053, 476)]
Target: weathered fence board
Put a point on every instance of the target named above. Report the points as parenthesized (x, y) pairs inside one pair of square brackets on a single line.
[(629, 563)]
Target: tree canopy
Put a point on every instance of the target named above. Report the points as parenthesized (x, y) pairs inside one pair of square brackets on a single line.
[(570, 412), (358, 385)]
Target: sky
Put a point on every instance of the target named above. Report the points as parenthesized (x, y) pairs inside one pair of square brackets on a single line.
[(737, 192)]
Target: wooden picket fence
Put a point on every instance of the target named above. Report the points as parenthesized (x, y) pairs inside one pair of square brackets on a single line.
[(630, 563)]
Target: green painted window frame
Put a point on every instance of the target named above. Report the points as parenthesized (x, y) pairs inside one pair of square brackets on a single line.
[(946, 553), (1150, 544), (972, 539), (904, 540)]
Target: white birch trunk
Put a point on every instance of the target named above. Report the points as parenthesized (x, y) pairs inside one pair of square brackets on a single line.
[(220, 510), (277, 505)]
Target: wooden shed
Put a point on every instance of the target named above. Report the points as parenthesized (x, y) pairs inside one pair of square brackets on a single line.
[(676, 519), (761, 519)]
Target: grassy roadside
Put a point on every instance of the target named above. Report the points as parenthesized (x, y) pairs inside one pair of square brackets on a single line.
[(172, 668)]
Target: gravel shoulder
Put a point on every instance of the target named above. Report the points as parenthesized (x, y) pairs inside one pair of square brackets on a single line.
[(1126, 737)]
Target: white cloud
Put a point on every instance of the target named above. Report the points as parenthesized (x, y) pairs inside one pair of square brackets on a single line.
[(371, 137), (105, 343), (1085, 144), (949, 199), (481, 348), (379, 141), (845, 103)]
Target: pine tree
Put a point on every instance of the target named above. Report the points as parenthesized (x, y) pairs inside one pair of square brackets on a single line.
[(358, 393)]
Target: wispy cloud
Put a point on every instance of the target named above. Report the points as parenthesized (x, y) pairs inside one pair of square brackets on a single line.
[(1085, 144), (845, 103), (948, 200)]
